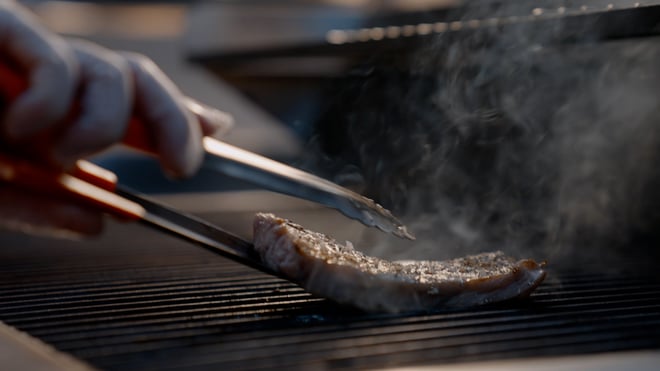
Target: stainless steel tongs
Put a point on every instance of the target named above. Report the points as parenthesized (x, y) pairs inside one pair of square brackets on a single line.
[(223, 157)]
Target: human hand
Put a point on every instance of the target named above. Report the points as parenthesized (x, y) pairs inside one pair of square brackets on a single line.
[(109, 87)]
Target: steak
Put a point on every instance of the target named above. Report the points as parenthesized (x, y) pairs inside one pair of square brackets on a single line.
[(336, 271)]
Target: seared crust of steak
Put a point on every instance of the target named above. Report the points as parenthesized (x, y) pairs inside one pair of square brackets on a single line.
[(329, 269)]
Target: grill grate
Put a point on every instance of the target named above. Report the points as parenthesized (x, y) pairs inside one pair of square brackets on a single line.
[(153, 302)]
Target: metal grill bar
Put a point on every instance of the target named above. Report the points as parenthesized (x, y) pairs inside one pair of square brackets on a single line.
[(395, 336), (178, 307), (544, 334)]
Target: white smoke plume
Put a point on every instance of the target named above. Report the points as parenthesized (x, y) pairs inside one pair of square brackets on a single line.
[(511, 139)]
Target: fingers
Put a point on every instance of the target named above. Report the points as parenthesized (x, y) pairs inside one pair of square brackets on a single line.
[(110, 87), (52, 72), (51, 68), (54, 218), (58, 70), (211, 120), (106, 103), (162, 106), (107, 100)]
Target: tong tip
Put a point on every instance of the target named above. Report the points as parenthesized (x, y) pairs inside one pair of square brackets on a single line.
[(402, 231), (375, 215)]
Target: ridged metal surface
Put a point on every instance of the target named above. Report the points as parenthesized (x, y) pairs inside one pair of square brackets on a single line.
[(124, 304), (524, 13)]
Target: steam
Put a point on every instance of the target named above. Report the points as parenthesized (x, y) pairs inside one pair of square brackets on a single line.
[(508, 140)]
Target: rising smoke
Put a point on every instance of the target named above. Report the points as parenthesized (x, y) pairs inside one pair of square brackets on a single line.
[(510, 139)]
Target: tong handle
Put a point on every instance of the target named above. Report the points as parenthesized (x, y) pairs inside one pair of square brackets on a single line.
[(95, 192)]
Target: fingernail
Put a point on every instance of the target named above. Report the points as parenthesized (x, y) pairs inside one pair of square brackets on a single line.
[(220, 121)]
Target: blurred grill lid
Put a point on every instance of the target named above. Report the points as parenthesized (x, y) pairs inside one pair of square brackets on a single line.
[(282, 38)]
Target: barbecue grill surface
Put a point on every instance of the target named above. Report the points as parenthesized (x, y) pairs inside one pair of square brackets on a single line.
[(137, 300)]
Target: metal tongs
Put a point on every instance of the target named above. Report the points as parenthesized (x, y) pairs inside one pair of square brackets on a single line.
[(90, 184)]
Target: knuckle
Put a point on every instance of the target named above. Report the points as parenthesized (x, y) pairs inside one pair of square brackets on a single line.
[(62, 83), (116, 70), (100, 63), (139, 60), (62, 59), (111, 71), (122, 66)]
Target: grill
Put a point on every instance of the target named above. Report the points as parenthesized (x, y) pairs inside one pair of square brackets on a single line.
[(136, 300), (139, 300)]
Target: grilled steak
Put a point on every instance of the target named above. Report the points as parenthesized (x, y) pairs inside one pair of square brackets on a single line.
[(329, 269)]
